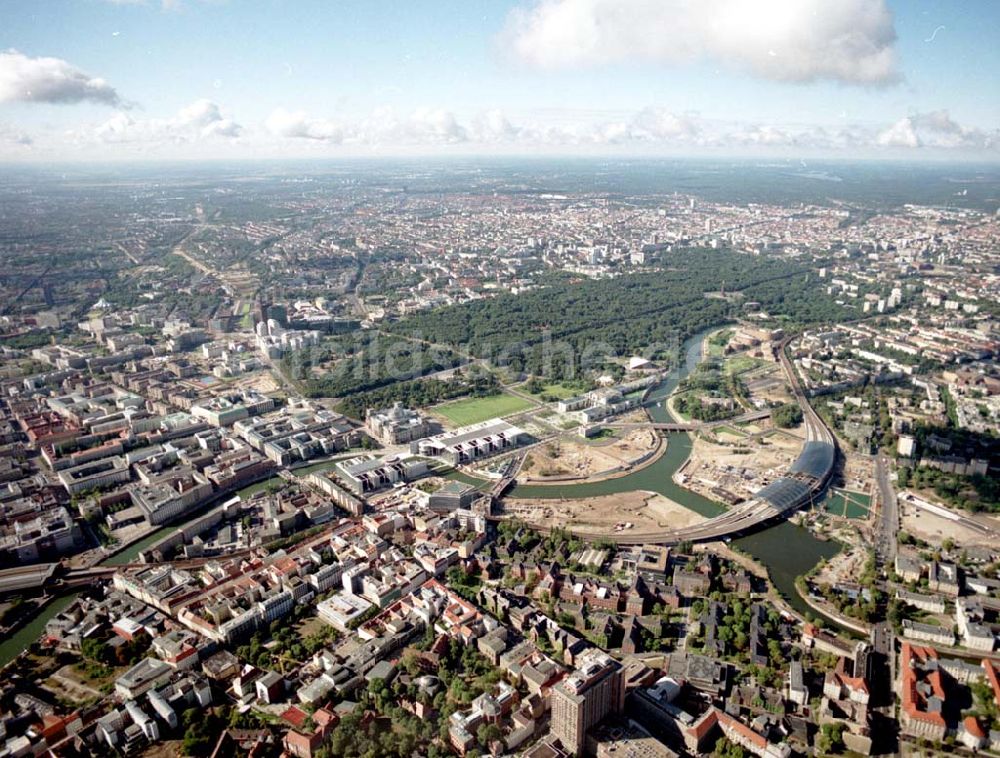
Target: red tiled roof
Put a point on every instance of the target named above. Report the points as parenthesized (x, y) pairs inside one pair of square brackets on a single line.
[(971, 725), (733, 724), (994, 679), (912, 701), (704, 725), (854, 682), (322, 717), (295, 716)]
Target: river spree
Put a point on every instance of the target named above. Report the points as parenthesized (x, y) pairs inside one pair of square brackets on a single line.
[(786, 550), (12, 646)]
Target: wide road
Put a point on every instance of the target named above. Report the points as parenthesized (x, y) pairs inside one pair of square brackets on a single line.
[(888, 523)]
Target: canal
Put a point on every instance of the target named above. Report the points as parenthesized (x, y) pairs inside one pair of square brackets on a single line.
[(131, 553), (12, 646), (786, 550)]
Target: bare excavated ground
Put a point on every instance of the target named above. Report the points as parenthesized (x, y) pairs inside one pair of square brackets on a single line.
[(934, 529), (737, 462), (562, 459), (644, 510)]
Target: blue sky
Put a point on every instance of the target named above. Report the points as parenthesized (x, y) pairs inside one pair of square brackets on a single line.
[(187, 78)]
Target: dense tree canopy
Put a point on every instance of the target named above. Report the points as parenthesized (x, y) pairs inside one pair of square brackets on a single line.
[(787, 415), (555, 330)]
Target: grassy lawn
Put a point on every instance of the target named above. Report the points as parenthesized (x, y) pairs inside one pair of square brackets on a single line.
[(743, 363), (476, 409), (556, 391), (716, 343), (675, 411), (95, 675), (321, 466), (728, 432), (458, 476), (309, 626), (601, 437)]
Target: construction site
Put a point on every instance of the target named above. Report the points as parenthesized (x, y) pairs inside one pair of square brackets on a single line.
[(730, 463), (568, 459), (627, 511)]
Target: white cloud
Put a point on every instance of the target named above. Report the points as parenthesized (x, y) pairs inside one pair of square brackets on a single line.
[(651, 128), (204, 128), (202, 119), (936, 129), (116, 128), (224, 127), (199, 113), (50, 80), (206, 117), (939, 121), (493, 126), (763, 134), (939, 129), (424, 126), (657, 123), (650, 125), (297, 125), (10, 135), (435, 125), (851, 41), (900, 134)]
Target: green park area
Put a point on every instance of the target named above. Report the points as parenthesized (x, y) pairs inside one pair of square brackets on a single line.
[(550, 391), (740, 364), (475, 409), (729, 434)]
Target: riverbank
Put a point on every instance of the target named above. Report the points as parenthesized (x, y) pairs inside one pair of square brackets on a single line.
[(15, 644), (829, 614), (762, 543), (756, 568), (786, 550)]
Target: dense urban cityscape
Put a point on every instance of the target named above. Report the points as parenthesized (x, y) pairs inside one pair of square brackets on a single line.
[(440, 465), (524, 378)]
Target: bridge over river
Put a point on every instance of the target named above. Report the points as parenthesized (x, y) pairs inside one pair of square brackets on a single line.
[(690, 426), (805, 480)]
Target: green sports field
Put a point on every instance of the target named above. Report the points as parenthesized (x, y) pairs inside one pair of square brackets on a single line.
[(476, 409)]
